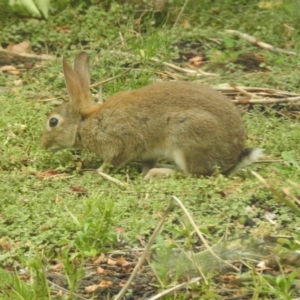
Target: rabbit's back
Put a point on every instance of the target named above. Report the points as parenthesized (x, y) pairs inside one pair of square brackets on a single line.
[(190, 123)]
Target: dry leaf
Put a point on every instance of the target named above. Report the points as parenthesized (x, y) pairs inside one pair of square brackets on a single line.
[(48, 174), (57, 267), (270, 217), (120, 229), (60, 293), (159, 5), (101, 271), (24, 277), (229, 191), (10, 69), (185, 23), (121, 283), (159, 214), (79, 189), (57, 199), (6, 244), (105, 283), (23, 47), (269, 4), (121, 261), (240, 292), (229, 278), (43, 174), (92, 288), (137, 22), (64, 28), (127, 269), (99, 259), (196, 61), (18, 82), (45, 227), (286, 191), (261, 264), (111, 262), (141, 240)]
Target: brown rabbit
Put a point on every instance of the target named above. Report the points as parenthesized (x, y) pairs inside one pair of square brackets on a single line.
[(189, 123)]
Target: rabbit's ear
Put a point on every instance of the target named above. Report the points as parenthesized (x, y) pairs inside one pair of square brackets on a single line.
[(77, 96), (81, 67)]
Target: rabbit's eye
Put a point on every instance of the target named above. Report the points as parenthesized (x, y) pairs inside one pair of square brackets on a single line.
[(53, 122)]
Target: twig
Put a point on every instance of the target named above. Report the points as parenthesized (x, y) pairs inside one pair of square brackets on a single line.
[(281, 236), (259, 43), (201, 235), (110, 79), (261, 95), (267, 101), (145, 253), (172, 66), (278, 195), (184, 70), (52, 99), (65, 290), (110, 178), (241, 90), (174, 288), (259, 90), (12, 55), (270, 161), (180, 13), (174, 76)]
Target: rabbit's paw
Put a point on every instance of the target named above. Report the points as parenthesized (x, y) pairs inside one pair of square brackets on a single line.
[(155, 172)]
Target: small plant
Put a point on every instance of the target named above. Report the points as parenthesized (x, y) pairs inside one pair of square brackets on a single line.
[(28, 283), (95, 227), (280, 286), (285, 195), (164, 261), (73, 271)]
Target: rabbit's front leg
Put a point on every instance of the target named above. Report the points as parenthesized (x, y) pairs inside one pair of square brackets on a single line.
[(116, 160)]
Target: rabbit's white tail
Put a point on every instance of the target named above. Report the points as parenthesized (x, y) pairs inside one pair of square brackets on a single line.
[(249, 156)]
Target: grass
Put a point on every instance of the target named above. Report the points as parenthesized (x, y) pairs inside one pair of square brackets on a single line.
[(70, 217)]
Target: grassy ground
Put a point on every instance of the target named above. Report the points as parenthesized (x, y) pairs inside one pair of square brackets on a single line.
[(68, 217)]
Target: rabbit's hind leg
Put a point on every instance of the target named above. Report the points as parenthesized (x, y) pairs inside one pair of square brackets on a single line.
[(166, 170), (147, 165), (158, 172), (151, 169)]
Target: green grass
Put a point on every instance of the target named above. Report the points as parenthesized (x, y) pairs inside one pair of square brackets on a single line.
[(45, 218)]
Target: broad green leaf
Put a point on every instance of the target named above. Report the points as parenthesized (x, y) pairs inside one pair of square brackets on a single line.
[(43, 6), (25, 7)]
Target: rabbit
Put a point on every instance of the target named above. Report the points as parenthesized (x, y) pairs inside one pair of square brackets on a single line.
[(189, 123)]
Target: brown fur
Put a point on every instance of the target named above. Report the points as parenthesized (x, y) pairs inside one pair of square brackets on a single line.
[(192, 124)]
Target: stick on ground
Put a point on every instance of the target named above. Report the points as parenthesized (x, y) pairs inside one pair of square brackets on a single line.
[(175, 288), (145, 253), (201, 235), (259, 43)]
